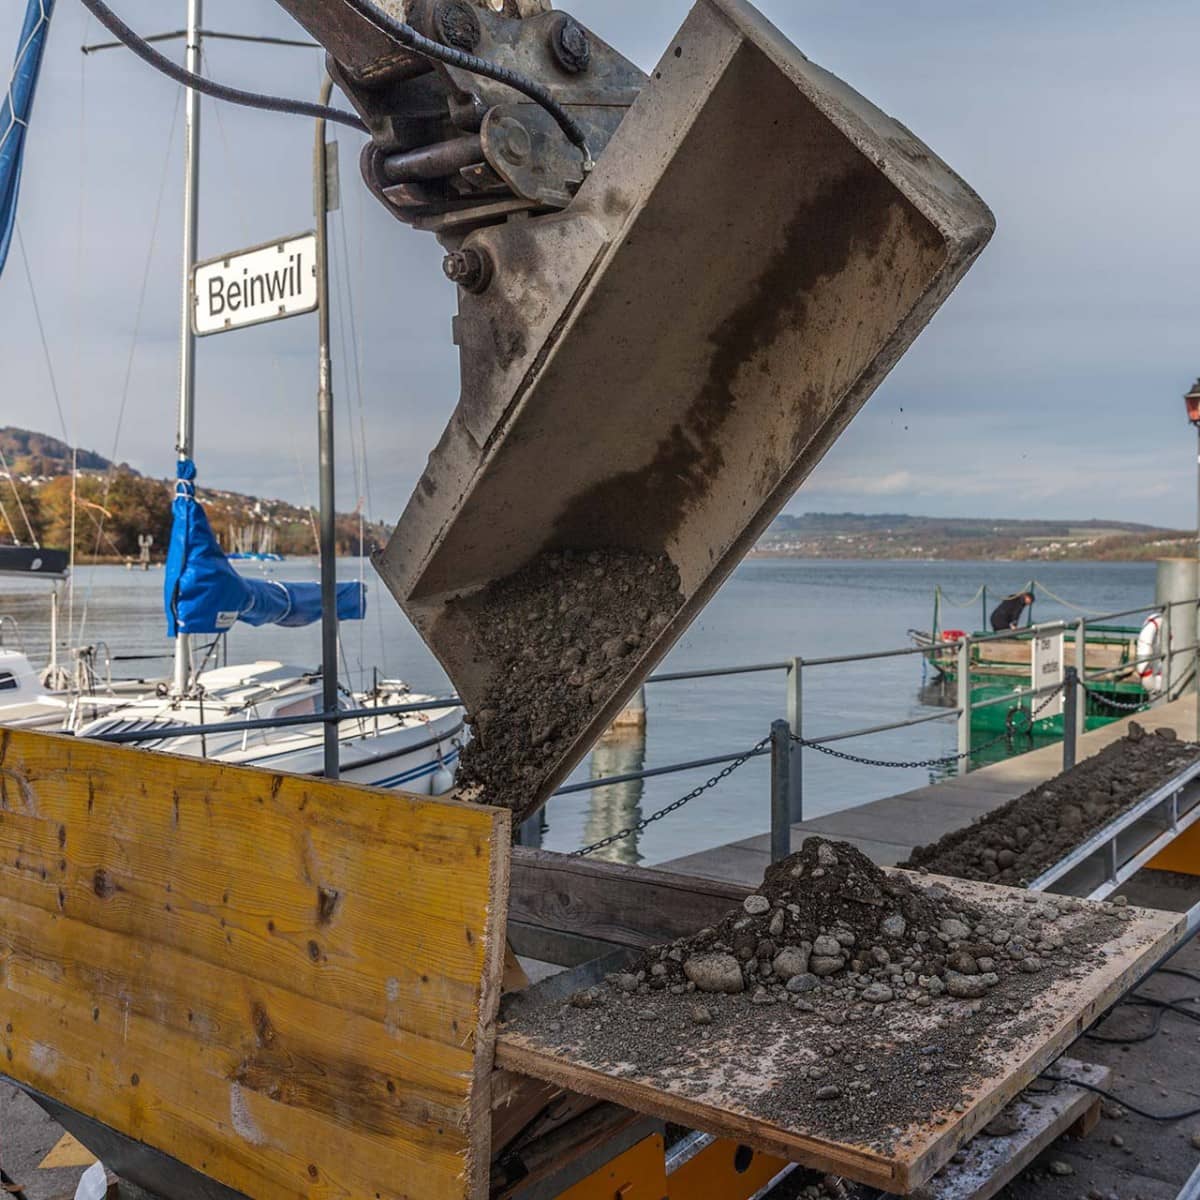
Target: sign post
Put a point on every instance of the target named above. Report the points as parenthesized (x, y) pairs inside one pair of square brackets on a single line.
[(250, 287), (1048, 671)]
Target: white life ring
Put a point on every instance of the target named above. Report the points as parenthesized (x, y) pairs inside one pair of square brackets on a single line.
[(1148, 663)]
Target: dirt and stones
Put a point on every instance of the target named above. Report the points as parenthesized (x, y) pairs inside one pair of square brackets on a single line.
[(1015, 844), (559, 635), (854, 1005)]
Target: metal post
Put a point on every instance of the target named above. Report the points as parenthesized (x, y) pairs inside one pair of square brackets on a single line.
[(781, 825), (1081, 675), (1070, 707), (795, 719), (964, 706), (185, 437), (1195, 622), (1164, 649), (328, 532)]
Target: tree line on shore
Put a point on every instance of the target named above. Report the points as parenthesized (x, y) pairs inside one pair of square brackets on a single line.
[(105, 514)]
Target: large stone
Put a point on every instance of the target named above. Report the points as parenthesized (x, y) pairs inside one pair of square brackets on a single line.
[(827, 946), (878, 993), (955, 930), (799, 984), (893, 926), (715, 973), (823, 964), (965, 987), (791, 961)]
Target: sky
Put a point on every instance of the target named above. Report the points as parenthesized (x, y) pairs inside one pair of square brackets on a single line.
[(1049, 385)]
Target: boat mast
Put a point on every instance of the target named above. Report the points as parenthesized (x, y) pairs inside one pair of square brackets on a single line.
[(187, 340)]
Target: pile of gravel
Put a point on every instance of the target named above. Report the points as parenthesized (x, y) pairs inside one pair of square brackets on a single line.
[(838, 999), (559, 635), (1014, 844), (827, 919)]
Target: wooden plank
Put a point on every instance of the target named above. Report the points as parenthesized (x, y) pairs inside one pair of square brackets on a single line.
[(624, 906), (992, 1162), (287, 984), (1069, 1006)]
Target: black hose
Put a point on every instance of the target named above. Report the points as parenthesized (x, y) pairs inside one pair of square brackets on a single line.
[(1133, 1108), (413, 40), (208, 87)]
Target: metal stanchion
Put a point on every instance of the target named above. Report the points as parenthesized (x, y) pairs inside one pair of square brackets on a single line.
[(964, 706), (781, 823), (795, 717), (1070, 713)]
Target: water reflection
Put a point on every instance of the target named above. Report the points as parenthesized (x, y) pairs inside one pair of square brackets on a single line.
[(619, 805)]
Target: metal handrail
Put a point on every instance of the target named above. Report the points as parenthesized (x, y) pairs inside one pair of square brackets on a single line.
[(588, 785), (857, 733), (131, 736)]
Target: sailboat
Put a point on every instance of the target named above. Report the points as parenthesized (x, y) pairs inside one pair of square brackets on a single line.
[(415, 750)]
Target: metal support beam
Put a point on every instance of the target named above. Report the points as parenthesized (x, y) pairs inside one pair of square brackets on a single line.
[(328, 531)]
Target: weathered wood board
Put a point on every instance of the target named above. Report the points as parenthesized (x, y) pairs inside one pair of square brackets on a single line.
[(287, 984), (526, 1044)]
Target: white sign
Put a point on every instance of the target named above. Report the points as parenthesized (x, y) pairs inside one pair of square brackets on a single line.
[(264, 283), (1048, 671)]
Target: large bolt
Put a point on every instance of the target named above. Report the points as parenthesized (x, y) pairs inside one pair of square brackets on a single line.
[(471, 269), (512, 140), (457, 25), (569, 42)]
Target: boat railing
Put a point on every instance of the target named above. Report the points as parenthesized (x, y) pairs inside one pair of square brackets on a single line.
[(11, 623)]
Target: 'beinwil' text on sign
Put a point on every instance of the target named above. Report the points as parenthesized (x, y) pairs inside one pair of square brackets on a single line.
[(263, 284)]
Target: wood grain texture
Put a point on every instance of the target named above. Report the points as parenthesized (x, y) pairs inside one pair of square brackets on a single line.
[(287, 984), (623, 906), (1069, 1005)]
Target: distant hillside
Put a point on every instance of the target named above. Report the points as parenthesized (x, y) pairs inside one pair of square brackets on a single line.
[(40, 455), (900, 535), (115, 504)]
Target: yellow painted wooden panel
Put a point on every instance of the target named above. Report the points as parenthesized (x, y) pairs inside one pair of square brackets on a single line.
[(1182, 855), (286, 983)]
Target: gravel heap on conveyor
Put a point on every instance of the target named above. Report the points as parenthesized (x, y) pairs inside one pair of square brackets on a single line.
[(1016, 843)]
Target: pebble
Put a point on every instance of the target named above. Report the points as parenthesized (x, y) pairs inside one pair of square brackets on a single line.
[(1112, 1110), (756, 905), (878, 993), (827, 947), (829, 1092), (1117, 1140), (625, 982), (1196, 1141), (715, 973), (826, 855), (955, 930), (893, 926), (798, 984), (1061, 1169), (776, 926), (1030, 965), (823, 965), (965, 987), (790, 962)]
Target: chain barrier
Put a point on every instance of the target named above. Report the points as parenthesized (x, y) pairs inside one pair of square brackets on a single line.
[(947, 760), (1010, 730), (720, 777), (1119, 705)]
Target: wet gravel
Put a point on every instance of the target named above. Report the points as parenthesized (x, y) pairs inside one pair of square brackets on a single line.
[(1016, 843), (561, 635), (841, 1000)]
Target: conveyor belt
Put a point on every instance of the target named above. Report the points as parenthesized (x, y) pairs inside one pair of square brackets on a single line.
[(1100, 865)]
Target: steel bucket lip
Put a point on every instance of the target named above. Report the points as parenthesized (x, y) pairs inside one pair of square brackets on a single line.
[(651, 137)]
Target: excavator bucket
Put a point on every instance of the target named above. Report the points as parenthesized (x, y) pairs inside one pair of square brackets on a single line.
[(649, 374)]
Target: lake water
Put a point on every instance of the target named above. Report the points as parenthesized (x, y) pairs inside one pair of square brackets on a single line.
[(770, 610)]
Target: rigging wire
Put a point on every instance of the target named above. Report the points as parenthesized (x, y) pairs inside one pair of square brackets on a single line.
[(129, 361), (209, 87), (20, 503)]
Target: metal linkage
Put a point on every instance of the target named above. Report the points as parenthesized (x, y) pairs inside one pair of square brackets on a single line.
[(695, 793)]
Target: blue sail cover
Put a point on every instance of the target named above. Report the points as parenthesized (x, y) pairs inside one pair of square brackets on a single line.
[(202, 593), (15, 112)]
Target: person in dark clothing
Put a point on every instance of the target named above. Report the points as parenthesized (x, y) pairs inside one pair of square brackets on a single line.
[(1007, 614)]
